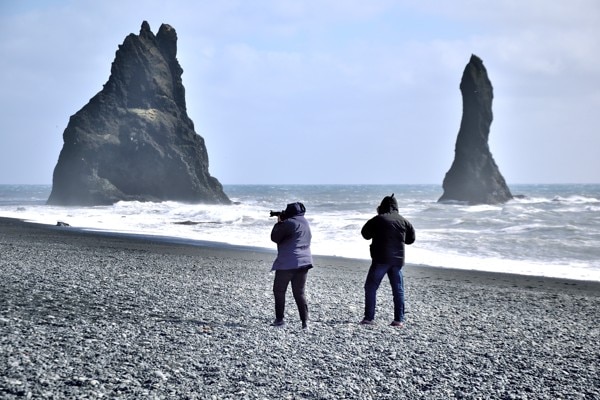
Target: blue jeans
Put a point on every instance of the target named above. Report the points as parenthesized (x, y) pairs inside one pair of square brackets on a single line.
[(374, 277)]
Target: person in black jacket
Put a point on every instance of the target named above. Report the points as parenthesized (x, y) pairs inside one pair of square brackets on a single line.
[(389, 232)]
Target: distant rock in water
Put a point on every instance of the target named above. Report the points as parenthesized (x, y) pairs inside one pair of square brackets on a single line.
[(134, 139), (474, 176)]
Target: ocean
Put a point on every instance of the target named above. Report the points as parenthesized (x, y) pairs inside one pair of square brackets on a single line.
[(553, 231)]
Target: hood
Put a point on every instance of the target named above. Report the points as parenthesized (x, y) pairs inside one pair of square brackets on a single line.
[(294, 209), (388, 204)]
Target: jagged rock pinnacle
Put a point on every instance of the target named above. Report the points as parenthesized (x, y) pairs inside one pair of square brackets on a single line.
[(474, 176), (134, 139)]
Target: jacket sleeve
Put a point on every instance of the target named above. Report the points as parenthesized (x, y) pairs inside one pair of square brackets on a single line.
[(409, 237), (366, 230), (279, 232)]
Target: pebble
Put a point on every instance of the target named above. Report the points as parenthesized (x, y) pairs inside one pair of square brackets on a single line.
[(95, 317)]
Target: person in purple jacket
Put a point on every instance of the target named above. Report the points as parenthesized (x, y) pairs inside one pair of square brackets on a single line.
[(294, 259), (389, 232)]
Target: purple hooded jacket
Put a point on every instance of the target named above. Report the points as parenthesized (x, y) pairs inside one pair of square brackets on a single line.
[(292, 236)]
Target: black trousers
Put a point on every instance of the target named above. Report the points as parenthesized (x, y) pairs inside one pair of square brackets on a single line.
[(280, 284)]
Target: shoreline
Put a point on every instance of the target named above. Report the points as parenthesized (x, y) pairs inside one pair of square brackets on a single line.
[(524, 244), (87, 314), (492, 276)]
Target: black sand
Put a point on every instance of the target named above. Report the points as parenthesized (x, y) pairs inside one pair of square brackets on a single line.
[(86, 315)]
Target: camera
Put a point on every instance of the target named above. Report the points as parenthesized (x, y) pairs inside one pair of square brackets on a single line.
[(291, 211), (277, 214)]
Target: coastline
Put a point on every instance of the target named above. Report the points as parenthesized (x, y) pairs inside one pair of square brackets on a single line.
[(128, 316), (176, 245), (525, 234)]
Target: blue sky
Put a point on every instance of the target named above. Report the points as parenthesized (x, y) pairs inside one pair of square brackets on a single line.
[(321, 91)]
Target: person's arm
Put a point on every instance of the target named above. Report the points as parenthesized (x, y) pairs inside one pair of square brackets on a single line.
[(280, 232), (409, 237), (366, 230)]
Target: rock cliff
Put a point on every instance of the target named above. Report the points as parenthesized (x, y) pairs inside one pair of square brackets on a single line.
[(474, 176), (134, 139)]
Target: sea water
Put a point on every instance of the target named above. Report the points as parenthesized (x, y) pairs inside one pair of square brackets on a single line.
[(553, 230)]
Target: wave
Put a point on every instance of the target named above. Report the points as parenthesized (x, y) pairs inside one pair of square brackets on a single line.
[(536, 235)]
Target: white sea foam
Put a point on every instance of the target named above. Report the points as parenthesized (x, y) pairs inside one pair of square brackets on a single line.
[(539, 235)]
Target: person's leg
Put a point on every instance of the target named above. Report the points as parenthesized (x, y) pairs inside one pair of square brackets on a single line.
[(374, 277), (397, 283), (280, 284), (298, 284)]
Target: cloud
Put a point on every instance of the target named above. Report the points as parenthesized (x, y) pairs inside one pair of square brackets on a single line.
[(351, 83)]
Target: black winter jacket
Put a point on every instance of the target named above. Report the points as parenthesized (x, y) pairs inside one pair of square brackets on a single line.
[(389, 231)]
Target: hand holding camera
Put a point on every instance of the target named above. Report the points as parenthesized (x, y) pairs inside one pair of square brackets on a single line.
[(279, 214)]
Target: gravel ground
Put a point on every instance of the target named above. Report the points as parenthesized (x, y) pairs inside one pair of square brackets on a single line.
[(96, 316)]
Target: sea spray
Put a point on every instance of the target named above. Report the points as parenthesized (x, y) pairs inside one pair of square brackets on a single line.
[(553, 231)]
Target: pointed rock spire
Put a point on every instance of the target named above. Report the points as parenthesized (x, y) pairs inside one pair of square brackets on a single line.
[(474, 176), (134, 139)]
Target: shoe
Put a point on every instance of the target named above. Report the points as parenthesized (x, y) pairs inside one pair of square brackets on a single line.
[(367, 322), (397, 324), (278, 322), (304, 325)]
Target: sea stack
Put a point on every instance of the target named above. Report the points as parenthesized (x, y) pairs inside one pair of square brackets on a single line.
[(474, 176), (134, 140)]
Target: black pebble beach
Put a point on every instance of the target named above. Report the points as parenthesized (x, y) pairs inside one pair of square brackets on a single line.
[(92, 315)]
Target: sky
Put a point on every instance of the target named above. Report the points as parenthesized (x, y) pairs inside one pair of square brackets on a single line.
[(321, 91)]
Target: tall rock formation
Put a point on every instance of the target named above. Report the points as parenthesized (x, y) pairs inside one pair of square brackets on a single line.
[(134, 139), (474, 176)]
